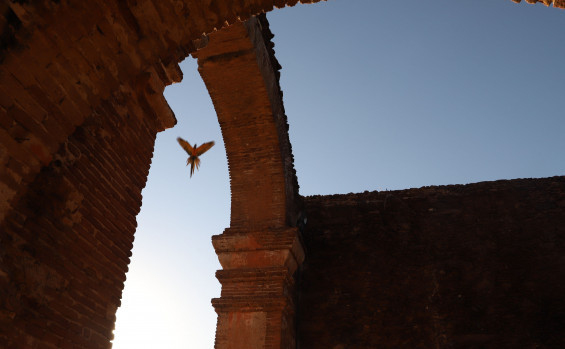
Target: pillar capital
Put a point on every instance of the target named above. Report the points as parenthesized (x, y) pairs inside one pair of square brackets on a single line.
[(257, 304), (276, 248)]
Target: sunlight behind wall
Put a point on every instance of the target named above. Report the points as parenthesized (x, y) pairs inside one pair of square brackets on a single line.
[(166, 300), (379, 95)]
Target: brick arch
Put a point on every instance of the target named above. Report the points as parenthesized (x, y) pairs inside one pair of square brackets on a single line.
[(81, 88), (241, 74), (81, 101), (68, 68)]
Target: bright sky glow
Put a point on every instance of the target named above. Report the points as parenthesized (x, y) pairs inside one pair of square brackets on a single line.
[(379, 95)]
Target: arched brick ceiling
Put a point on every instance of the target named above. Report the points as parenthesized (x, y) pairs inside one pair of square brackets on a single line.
[(60, 60), (81, 100)]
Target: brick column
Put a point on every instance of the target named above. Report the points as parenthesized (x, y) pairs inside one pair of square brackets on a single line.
[(257, 305), (261, 250)]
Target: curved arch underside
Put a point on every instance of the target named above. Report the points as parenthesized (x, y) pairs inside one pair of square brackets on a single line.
[(67, 68), (238, 70)]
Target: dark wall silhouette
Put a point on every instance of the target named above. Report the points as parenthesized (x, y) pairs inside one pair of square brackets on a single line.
[(463, 266)]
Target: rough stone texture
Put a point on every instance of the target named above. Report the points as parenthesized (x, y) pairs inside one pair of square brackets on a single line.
[(257, 304), (66, 244), (261, 250), (81, 86), (474, 266), (241, 74), (81, 101), (60, 60), (555, 3)]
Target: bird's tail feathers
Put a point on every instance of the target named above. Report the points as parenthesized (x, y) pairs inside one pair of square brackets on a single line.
[(194, 163)]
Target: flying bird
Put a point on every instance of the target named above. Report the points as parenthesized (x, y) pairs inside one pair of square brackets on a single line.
[(194, 153)]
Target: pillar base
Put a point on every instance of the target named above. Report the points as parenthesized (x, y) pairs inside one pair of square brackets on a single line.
[(257, 303)]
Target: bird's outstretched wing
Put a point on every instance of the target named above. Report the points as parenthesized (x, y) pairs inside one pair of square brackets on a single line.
[(203, 148), (186, 146)]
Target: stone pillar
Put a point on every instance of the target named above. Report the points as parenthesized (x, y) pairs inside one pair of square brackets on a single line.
[(261, 250), (257, 305)]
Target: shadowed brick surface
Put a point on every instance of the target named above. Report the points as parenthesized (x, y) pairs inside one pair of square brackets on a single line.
[(81, 101), (474, 266), (261, 250)]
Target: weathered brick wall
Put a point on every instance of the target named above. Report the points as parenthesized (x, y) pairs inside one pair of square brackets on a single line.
[(66, 244), (242, 77), (60, 59), (81, 99), (555, 3), (474, 266), (261, 250)]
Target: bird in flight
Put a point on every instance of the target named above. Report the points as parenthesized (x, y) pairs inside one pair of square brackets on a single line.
[(194, 153)]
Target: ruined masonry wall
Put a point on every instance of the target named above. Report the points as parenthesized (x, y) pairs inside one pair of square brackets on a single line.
[(81, 100), (81, 86), (66, 244), (464, 266)]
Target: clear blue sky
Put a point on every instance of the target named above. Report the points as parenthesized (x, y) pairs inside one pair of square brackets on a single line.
[(379, 95)]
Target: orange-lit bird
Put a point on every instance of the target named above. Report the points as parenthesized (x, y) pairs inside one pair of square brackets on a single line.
[(194, 153)]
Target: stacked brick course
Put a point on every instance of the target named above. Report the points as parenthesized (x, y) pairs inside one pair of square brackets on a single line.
[(66, 243), (555, 3), (261, 250), (474, 266), (241, 74), (81, 101)]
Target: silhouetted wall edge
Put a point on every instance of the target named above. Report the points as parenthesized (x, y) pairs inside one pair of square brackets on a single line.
[(460, 266)]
